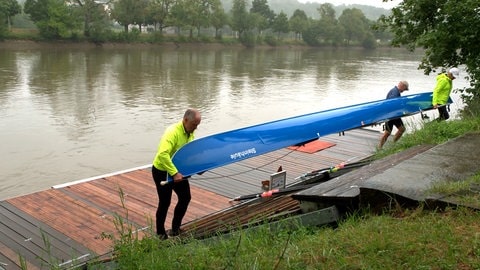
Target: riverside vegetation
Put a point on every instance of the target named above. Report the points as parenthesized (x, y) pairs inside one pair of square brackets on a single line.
[(251, 23), (398, 238)]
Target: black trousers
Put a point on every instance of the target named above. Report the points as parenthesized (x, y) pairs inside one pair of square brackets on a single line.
[(182, 189), (443, 113)]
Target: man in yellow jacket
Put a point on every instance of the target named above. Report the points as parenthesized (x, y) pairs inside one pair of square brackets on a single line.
[(174, 137), (442, 90)]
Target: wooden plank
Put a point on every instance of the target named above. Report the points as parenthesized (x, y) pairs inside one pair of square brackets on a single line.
[(136, 183), (27, 250), (227, 187), (32, 239), (80, 221), (136, 207), (109, 203), (10, 259), (312, 219), (241, 215), (22, 222)]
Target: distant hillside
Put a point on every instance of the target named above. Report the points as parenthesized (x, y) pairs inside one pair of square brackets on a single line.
[(289, 6)]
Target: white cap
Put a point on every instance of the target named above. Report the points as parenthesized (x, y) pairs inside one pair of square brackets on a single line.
[(455, 72)]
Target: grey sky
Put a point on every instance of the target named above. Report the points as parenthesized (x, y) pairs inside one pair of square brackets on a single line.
[(377, 3)]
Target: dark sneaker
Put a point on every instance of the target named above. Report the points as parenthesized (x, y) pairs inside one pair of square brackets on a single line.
[(174, 232), (162, 236)]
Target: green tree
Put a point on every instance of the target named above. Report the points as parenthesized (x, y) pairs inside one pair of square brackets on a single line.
[(329, 31), (178, 15), (241, 19), (448, 30), (280, 24), (322, 30), (141, 13), (381, 30), (53, 18), (198, 13), (95, 19), (298, 23), (312, 33), (8, 9), (159, 13), (327, 12), (127, 12), (36, 9), (3, 26), (121, 12), (262, 14), (219, 19), (195, 14), (355, 25)]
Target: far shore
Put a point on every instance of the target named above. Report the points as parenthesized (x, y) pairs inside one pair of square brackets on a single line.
[(32, 44)]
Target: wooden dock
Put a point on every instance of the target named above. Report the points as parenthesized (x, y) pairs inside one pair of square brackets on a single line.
[(67, 225)]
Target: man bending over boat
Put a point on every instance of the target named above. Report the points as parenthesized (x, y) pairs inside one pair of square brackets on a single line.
[(174, 137), (395, 92)]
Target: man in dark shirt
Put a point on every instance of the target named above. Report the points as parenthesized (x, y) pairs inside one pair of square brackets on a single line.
[(394, 93)]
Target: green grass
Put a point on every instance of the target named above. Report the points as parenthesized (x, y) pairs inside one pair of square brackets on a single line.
[(397, 239), (465, 192), (23, 34), (417, 239), (432, 132)]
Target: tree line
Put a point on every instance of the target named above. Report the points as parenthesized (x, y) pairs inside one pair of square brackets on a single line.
[(250, 22), (448, 32)]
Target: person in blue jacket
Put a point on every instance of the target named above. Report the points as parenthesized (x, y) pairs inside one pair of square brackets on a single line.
[(395, 92)]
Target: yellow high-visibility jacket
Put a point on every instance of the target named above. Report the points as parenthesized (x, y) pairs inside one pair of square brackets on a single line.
[(173, 138), (442, 90)]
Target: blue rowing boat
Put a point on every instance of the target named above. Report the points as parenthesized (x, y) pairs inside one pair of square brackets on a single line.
[(220, 149)]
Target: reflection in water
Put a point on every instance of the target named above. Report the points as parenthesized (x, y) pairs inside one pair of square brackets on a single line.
[(71, 114)]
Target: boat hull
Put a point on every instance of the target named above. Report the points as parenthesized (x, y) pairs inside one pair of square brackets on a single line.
[(232, 146)]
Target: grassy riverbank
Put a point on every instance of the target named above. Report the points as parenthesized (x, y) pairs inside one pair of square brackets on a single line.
[(397, 239), (30, 39)]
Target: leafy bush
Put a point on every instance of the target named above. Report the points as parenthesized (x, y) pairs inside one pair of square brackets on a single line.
[(248, 40), (271, 40)]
